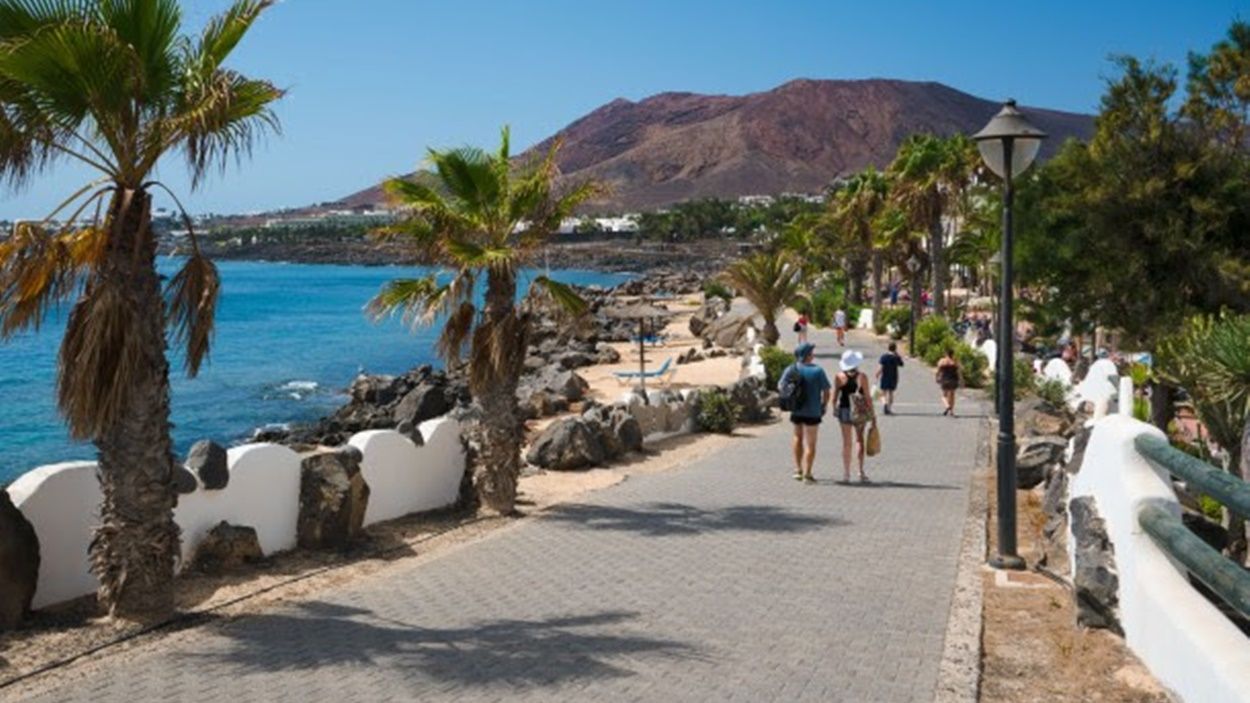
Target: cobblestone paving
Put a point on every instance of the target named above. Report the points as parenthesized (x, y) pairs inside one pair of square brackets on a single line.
[(722, 581)]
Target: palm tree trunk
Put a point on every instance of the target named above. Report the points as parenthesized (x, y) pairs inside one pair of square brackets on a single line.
[(856, 271), (876, 286), (770, 332), (937, 263), (134, 549), (493, 384)]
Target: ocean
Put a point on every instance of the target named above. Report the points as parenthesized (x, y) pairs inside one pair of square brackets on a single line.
[(289, 339)]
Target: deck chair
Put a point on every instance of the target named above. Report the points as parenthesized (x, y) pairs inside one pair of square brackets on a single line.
[(664, 373)]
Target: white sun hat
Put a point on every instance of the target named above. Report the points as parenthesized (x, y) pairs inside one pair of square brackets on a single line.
[(851, 359)]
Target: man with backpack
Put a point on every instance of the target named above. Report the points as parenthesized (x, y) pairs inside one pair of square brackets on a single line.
[(804, 389)]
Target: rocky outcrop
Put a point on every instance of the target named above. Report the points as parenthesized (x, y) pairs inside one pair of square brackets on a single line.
[(1037, 418), (184, 481), (333, 496), (711, 309), (567, 445), (1095, 580), (207, 460), (730, 331), (754, 400), (1036, 457), (227, 548), (19, 563)]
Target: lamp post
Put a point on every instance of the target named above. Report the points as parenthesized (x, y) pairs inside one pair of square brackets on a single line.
[(1008, 145), (913, 265)]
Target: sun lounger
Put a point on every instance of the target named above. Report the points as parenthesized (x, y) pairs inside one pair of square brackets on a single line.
[(664, 373), (655, 340)]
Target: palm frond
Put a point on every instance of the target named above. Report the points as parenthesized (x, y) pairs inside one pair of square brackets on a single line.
[(456, 331), (220, 120), (418, 301), (191, 307), (39, 270), (102, 357), (564, 297), (224, 32)]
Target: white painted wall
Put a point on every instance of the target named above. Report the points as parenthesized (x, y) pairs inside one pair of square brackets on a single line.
[(989, 348), (1184, 641), (263, 493), (865, 319), (404, 478), (1098, 386), (1058, 370), (62, 502)]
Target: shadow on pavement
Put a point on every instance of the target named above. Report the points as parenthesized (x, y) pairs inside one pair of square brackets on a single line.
[(511, 653), (874, 483), (661, 519)]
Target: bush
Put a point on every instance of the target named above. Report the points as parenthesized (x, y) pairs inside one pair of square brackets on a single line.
[(717, 411), (1052, 391), (898, 318), (776, 360), (824, 304), (1024, 380), (933, 336), (713, 288), (972, 364), (1141, 409)]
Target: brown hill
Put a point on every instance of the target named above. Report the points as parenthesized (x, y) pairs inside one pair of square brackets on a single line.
[(795, 138)]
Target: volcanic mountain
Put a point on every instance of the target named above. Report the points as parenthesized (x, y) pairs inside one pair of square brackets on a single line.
[(795, 138)]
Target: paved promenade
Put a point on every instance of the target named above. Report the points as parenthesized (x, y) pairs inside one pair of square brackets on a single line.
[(722, 581)]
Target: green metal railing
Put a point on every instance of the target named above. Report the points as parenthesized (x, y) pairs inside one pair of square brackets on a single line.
[(1224, 577)]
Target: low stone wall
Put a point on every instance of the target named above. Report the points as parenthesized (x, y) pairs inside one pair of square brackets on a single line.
[(62, 501), (1178, 634)]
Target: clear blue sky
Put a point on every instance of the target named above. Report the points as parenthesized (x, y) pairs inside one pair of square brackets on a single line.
[(373, 82)]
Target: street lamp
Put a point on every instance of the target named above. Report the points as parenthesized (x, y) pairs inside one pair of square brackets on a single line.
[(913, 265), (1008, 145)]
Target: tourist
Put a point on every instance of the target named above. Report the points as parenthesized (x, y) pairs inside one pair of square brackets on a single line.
[(948, 380), (894, 293), (800, 328), (854, 408), (887, 377), (839, 324), (806, 417)]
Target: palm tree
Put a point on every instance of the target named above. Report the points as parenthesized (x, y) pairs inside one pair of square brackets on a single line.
[(855, 208), (482, 218), (116, 86), (917, 189), (770, 280)]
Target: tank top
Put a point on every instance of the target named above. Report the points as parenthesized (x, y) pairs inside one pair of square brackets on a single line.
[(848, 389)]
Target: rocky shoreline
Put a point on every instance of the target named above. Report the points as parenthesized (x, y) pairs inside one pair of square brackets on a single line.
[(703, 256), (550, 384)]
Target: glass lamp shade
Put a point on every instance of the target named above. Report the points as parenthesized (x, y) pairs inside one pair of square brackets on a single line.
[(1023, 153), (1009, 125)]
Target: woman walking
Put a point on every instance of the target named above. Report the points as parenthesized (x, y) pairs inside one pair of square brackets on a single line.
[(948, 381), (854, 407), (800, 328), (839, 325)]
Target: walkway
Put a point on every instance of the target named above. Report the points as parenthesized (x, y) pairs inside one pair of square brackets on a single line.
[(722, 581)]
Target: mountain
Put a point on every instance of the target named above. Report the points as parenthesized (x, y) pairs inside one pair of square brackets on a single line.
[(795, 138)]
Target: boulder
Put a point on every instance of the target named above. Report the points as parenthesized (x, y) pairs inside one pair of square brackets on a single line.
[(333, 496), (226, 548), (19, 563), (1039, 418), (567, 445), (1035, 457), (606, 354), (373, 390), (711, 309), (1079, 443), (567, 384), (575, 360), (731, 331), (425, 402), (207, 460), (753, 398), (1095, 582), (1054, 531), (540, 403), (627, 430), (533, 364)]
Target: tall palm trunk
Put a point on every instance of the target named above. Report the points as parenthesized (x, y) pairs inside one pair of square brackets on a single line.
[(876, 286), (856, 271), (498, 344), (135, 547), (770, 333), (937, 256)]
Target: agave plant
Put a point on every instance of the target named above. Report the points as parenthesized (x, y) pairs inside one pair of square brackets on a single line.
[(770, 280), (116, 86), (483, 219)]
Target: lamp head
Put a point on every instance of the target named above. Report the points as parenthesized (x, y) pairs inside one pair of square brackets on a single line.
[(1009, 127)]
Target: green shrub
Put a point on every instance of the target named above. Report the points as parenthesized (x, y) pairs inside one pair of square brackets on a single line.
[(933, 336), (972, 364), (1140, 373), (898, 318), (713, 288), (824, 304), (1211, 507), (1141, 409), (776, 360), (1052, 391), (717, 411), (1023, 380)]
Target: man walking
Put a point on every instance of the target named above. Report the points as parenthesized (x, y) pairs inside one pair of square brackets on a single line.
[(812, 386), (887, 377)]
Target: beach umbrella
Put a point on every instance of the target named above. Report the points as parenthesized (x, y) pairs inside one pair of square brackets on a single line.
[(641, 311)]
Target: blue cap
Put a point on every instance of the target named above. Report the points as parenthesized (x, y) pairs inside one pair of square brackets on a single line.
[(804, 349)]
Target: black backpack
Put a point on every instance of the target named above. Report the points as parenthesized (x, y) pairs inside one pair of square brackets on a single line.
[(791, 389)]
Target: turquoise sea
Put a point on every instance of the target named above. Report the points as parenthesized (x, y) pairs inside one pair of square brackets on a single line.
[(290, 338)]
